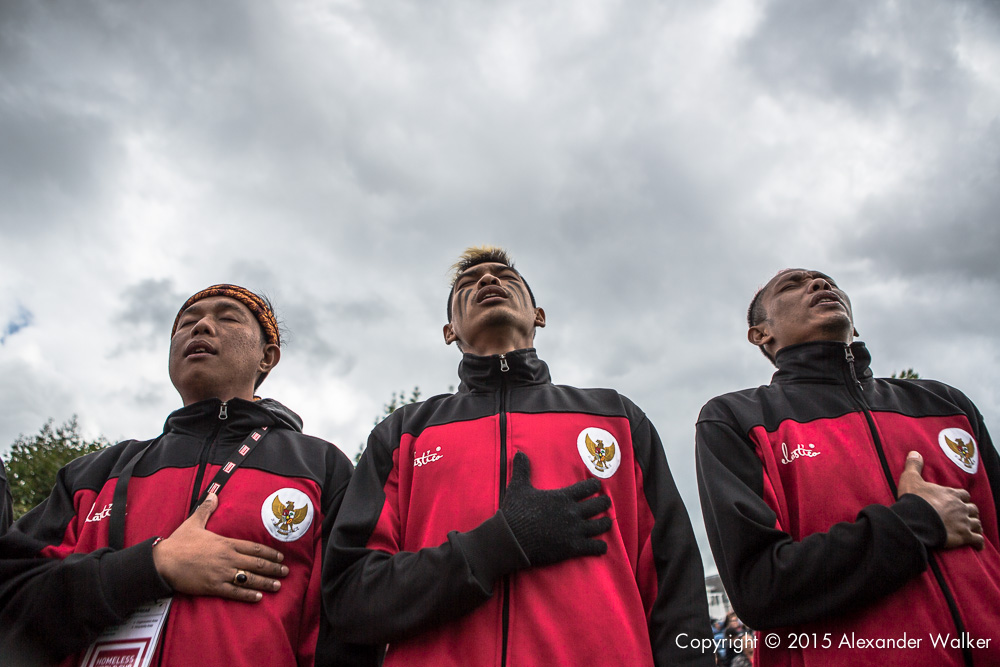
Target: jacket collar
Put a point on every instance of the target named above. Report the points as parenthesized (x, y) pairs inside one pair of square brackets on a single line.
[(240, 418), (486, 373), (822, 361)]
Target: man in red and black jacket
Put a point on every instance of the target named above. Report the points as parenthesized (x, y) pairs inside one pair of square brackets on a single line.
[(228, 514), (516, 522), (853, 519)]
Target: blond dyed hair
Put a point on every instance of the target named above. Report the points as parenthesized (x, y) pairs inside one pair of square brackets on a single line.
[(479, 254)]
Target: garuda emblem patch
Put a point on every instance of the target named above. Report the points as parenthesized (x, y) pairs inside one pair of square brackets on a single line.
[(961, 448), (287, 514), (599, 451)]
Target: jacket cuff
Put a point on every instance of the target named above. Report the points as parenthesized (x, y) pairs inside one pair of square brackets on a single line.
[(130, 578), (491, 551), (922, 520)]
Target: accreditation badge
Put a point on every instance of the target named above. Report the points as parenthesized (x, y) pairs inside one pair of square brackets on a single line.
[(132, 643)]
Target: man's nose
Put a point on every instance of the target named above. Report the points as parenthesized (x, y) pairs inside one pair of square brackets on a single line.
[(819, 284), (488, 279), (203, 326)]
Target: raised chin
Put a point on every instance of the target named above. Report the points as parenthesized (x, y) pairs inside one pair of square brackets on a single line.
[(836, 326)]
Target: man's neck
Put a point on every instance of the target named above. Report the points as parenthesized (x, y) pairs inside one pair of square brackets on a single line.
[(195, 397), (488, 345)]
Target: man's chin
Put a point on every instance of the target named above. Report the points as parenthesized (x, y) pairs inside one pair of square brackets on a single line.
[(838, 327), (498, 317)]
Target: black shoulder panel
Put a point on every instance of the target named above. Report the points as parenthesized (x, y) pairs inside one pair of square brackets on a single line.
[(770, 405)]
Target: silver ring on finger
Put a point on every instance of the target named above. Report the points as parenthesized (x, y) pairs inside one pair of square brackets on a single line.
[(241, 578)]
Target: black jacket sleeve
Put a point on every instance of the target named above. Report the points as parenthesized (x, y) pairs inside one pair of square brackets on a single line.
[(680, 611), (376, 596), (774, 581), (331, 651), (51, 607)]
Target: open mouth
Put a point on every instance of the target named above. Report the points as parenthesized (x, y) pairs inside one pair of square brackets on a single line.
[(825, 297), (491, 292), (198, 347)]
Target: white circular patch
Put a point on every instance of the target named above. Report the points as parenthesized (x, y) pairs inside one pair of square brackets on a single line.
[(961, 448), (599, 451), (287, 514)]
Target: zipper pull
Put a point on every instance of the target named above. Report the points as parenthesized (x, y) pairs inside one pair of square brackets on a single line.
[(222, 411), (850, 364), (503, 363)]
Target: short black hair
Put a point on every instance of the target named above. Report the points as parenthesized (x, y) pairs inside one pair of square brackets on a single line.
[(279, 324), (757, 314), (482, 255)]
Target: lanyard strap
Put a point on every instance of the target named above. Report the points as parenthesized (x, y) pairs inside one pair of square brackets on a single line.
[(116, 529), (234, 462)]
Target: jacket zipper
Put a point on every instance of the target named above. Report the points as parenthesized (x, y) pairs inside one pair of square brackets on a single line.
[(858, 397), (505, 605), (202, 462), (204, 456)]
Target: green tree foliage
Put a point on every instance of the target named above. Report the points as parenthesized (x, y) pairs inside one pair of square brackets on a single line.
[(395, 402), (33, 461), (906, 374)]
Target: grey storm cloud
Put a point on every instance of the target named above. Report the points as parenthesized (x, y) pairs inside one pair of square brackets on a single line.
[(52, 158), (147, 312), (315, 330), (842, 51), (946, 224)]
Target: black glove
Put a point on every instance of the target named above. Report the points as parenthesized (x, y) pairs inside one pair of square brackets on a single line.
[(554, 525)]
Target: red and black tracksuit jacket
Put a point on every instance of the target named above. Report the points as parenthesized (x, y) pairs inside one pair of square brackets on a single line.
[(430, 566), (61, 584), (798, 487)]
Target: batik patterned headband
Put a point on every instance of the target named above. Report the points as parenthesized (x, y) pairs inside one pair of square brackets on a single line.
[(254, 303)]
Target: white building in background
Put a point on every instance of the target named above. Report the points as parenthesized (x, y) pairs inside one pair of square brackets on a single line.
[(718, 601)]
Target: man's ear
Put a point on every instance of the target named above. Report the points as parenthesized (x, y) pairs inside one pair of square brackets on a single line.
[(759, 335), (270, 358), (449, 334), (540, 318)]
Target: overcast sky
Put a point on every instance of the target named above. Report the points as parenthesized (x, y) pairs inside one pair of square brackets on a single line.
[(649, 164)]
